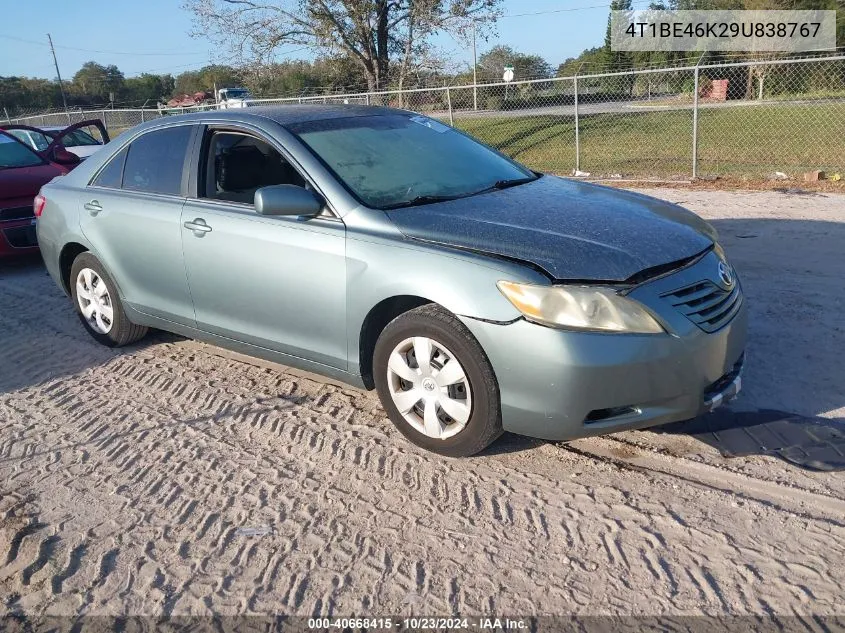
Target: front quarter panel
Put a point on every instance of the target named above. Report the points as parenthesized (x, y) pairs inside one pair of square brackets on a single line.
[(382, 266)]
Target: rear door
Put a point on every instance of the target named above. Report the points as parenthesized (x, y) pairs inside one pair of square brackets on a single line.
[(131, 215), (274, 282)]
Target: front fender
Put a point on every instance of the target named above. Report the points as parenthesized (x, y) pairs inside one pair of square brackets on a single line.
[(462, 282)]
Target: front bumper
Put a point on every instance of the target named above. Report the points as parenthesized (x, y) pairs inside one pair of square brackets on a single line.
[(561, 385)]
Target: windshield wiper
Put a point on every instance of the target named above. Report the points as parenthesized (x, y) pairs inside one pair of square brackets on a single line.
[(499, 184), (513, 182), (421, 200), (505, 184)]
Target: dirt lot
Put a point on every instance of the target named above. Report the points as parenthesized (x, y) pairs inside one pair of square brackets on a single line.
[(129, 480)]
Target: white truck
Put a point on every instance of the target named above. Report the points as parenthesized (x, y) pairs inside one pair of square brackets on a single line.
[(230, 98)]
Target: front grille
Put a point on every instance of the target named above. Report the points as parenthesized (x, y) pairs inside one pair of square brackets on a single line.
[(21, 237), (16, 213), (706, 304)]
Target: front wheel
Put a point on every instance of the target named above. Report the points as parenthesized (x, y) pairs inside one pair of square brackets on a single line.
[(436, 383), (98, 304)]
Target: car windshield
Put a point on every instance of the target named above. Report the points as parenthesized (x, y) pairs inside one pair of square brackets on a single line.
[(237, 93), (16, 154), (396, 160)]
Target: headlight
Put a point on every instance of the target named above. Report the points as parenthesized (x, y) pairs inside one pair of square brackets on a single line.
[(580, 308)]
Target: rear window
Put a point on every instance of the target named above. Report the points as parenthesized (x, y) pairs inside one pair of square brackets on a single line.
[(156, 160), (15, 154)]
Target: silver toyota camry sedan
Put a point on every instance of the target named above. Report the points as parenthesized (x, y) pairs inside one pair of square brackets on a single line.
[(390, 251)]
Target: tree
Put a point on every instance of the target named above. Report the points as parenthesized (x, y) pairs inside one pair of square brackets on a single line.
[(97, 80), (617, 61), (147, 87), (19, 94), (370, 32), (586, 62), (493, 63), (206, 78)]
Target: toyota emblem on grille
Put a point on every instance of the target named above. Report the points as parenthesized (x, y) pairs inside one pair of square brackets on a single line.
[(726, 274)]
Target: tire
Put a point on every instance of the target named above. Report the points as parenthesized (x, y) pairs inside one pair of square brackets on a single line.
[(120, 330), (476, 391)]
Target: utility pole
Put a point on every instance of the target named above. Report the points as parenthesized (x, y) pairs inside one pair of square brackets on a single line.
[(474, 69), (58, 74)]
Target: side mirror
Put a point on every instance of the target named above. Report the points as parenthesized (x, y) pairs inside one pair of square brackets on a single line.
[(287, 200), (64, 157)]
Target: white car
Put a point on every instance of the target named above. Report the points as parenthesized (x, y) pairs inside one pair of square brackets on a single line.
[(77, 142)]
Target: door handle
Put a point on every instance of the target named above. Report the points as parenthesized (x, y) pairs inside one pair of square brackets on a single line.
[(93, 207), (198, 226)]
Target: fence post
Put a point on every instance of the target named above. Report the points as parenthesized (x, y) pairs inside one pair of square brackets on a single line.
[(6, 112), (142, 115), (577, 128), (695, 121), (449, 105), (104, 120), (368, 98)]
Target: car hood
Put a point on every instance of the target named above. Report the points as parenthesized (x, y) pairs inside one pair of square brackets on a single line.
[(573, 230)]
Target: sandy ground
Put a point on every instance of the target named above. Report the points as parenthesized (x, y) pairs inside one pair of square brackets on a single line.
[(129, 480)]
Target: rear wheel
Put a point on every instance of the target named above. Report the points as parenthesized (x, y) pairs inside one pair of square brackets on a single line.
[(436, 383), (98, 304)]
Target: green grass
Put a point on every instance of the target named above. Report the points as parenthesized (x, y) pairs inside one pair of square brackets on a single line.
[(749, 141)]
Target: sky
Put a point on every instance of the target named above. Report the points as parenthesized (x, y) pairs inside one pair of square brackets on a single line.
[(154, 35)]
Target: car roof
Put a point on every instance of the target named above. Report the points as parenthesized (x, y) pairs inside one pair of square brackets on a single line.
[(290, 114)]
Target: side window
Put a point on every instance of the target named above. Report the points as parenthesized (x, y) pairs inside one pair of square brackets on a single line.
[(111, 175), (40, 141), (237, 165), (155, 161)]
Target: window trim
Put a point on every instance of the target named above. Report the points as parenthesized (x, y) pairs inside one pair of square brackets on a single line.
[(183, 185), (201, 161)]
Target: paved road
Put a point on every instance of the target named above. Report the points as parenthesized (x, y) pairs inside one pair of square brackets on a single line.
[(587, 107), (172, 477)]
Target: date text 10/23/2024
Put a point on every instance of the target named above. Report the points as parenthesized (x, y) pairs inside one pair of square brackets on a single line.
[(419, 623)]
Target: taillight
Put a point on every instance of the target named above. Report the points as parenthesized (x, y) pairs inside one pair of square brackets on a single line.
[(38, 205)]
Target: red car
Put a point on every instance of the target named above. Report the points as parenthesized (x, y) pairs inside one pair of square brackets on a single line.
[(23, 171)]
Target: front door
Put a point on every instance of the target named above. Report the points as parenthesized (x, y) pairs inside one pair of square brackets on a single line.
[(274, 282)]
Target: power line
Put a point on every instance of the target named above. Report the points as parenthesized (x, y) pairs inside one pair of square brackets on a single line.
[(597, 6), (209, 63), (102, 52)]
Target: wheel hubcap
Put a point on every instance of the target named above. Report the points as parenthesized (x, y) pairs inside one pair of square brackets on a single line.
[(94, 301), (429, 387)]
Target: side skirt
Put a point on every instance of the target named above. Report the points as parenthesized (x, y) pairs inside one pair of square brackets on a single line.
[(244, 348)]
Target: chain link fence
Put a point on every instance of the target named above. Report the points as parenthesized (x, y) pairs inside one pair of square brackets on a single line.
[(745, 119)]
